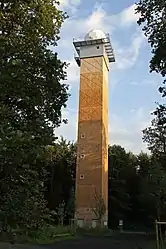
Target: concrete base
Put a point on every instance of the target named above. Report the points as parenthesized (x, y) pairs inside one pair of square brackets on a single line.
[(80, 223), (91, 223)]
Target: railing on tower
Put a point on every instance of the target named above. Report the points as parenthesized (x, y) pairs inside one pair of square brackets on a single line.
[(106, 41)]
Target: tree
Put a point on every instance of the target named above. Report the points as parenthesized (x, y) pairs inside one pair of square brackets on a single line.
[(118, 196), (132, 188), (32, 94), (144, 162), (154, 179), (155, 135), (99, 208), (153, 17), (153, 192), (61, 181), (61, 213), (70, 207), (125, 179)]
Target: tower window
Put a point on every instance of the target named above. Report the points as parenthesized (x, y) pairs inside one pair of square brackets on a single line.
[(98, 47), (82, 135), (82, 156), (82, 176)]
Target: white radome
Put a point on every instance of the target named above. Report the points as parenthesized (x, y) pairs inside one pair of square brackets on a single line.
[(95, 34)]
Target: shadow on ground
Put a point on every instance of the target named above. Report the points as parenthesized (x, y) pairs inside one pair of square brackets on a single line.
[(122, 241), (117, 242)]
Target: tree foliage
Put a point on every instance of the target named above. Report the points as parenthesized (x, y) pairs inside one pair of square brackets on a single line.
[(155, 135), (154, 181), (31, 97), (99, 208), (118, 196), (60, 184), (134, 184), (144, 163), (37, 174), (153, 192), (153, 18)]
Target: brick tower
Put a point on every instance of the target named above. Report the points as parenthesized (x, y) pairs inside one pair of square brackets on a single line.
[(93, 56)]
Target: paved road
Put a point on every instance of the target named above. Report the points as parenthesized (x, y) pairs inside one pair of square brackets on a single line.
[(119, 242), (126, 242)]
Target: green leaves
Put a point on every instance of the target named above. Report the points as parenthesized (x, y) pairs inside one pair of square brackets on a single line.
[(61, 181), (155, 135), (153, 193), (154, 181), (41, 19), (153, 19), (32, 94), (118, 173)]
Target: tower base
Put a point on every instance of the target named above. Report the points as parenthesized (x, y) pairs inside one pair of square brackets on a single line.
[(90, 222)]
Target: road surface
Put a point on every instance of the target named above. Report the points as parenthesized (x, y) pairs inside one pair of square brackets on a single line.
[(127, 241), (123, 242)]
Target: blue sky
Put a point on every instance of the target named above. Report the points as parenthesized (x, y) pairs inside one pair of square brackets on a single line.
[(132, 89)]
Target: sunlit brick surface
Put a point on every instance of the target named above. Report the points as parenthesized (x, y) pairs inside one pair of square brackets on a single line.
[(92, 136)]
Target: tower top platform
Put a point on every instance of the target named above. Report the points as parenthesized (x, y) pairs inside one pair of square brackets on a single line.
[(94, 37)]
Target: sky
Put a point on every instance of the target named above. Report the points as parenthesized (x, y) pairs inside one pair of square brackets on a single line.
[(133, 91)]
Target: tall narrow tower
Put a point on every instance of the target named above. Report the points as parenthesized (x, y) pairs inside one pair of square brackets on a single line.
[(93, 56)]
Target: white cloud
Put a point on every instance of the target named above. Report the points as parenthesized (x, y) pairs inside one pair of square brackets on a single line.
[(129, 15), (127, 56), (126, 133), (129, 135), (69, 5), (73, 72), (76, 27), (69, 130), (98, 18), (146, 82), (64, 2)]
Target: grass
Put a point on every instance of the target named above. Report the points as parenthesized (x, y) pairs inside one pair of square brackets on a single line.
[(44, 235), (50, 234)]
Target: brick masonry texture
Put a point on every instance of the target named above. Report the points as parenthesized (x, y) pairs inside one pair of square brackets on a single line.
[(92, 148)]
